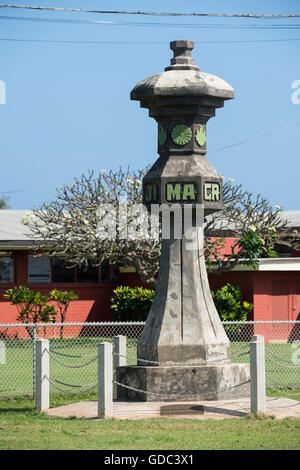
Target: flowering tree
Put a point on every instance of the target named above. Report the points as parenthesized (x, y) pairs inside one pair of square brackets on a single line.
[(257, 227), (70, 227)]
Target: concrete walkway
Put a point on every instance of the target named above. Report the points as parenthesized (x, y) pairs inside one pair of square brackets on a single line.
[(279, 407)]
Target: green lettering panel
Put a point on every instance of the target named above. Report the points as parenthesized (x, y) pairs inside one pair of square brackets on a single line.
[(173, 192), (212, 192)]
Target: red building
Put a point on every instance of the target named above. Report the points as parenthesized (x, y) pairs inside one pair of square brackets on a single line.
[(274, 288)]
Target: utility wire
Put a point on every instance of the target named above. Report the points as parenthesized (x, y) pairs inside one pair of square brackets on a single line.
[(152, 13), (257, 137), (261, 136), (152, 24), (142, 43), (28, 189)]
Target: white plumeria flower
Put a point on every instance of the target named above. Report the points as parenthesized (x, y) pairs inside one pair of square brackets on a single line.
[(230, 180), (252, 227), (277, 207), (43, 229), (86, 222)]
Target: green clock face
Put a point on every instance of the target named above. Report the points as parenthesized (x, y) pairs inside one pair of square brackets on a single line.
[(162, 135), (181, 134), (201, 136)]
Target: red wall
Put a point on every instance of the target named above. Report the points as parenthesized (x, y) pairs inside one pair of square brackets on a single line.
[(244, 279), (93, 302)]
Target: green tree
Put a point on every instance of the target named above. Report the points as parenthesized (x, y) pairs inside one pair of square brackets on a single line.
[(33, 307), (62, 299), (4, 202)]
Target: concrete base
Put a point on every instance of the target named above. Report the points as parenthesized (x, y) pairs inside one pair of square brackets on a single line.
[(178, 383), (201, 410)]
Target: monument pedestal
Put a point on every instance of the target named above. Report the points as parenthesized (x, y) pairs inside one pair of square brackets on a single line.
[(184, 383)]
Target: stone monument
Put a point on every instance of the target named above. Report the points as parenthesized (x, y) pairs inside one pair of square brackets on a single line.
[(183, 352)]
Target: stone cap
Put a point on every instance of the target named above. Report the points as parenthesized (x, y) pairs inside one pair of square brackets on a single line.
[(182, 59), (182, 78)]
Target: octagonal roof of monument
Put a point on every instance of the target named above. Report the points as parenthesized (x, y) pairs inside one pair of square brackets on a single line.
[(182, 78)]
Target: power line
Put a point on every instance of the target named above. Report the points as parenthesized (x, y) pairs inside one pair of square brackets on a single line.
[(152, 24), (28, 189), (152, 13), (142, 43), (257, 137), (241, 142)]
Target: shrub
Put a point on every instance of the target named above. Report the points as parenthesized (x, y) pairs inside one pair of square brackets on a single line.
[(131, 303), (231, 307), (134, 303), (229, 303)]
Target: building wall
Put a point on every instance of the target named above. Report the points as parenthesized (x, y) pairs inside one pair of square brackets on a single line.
[(93, 302), (275, 295)]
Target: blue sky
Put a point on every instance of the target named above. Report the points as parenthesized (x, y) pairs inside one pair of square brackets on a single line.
[(68, 108)]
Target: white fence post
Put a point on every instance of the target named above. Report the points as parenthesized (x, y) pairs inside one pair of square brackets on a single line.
[(105, 378), (42, 375), (2, 353), (257, 373), (119, 359)]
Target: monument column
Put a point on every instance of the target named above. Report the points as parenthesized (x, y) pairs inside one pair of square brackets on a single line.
[(183, 349)]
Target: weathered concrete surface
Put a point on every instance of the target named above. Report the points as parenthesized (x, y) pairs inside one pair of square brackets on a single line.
[(183, 325), (278, 407), (177, 383)]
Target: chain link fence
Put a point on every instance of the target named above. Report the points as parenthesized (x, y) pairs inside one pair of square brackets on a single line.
[(73, 349)]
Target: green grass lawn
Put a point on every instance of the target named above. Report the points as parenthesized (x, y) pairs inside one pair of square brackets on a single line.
[(23, 428), (16, 375)]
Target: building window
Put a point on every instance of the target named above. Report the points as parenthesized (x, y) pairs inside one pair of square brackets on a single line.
[(89, 273), (109, 272), (62, 272), (39, 269), (6, 269)]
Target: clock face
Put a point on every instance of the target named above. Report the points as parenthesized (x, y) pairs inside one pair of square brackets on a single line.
[(181, 134), (162, 135), (201, 136)]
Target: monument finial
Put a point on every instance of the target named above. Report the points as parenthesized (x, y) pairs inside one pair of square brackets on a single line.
[(182, 59)]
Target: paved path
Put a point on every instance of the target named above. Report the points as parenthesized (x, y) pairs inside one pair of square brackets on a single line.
[(279, 407)]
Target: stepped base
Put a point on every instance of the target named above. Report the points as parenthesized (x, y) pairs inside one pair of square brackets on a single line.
[(188, 383)]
